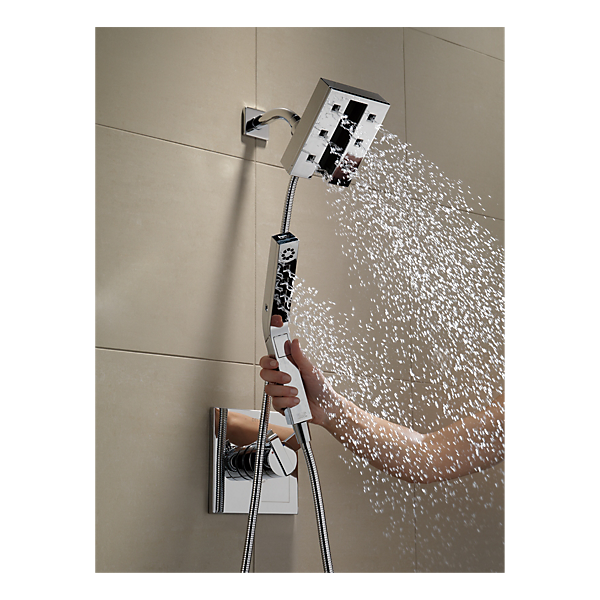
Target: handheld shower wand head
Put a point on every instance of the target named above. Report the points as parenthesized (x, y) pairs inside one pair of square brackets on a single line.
[(333, 135), (283, 257)]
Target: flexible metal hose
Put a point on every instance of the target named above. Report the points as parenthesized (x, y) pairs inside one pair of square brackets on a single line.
[(264, 418), (303, 438), (319, 508), (256, 483), (222, 434), (289, 203)]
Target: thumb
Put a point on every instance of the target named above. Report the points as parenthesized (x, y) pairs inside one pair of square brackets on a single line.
[(300, 359)]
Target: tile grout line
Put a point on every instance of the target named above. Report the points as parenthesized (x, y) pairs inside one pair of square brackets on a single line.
[(153, 137), (249, 364), (175, 143), (457, 44), (167, 355)]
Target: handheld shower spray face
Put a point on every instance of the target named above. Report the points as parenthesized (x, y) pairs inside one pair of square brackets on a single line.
[(335, 132)]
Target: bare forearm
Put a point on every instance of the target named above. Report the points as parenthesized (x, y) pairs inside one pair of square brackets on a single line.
[(243, 430), (474, 443), (471, 444), (389, 447)]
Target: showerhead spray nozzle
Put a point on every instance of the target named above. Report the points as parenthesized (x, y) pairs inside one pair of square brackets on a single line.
[(335, 132), (333, 135)]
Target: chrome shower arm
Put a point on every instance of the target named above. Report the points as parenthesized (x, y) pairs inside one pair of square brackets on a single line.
[(261, 120)]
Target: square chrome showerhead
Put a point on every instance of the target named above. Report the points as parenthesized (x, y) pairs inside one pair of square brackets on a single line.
[(335, 132)]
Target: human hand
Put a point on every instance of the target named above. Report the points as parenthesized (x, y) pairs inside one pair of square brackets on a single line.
[(321, 396)]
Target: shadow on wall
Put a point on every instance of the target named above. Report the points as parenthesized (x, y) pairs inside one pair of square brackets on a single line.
[(180, 473), (225, 285)]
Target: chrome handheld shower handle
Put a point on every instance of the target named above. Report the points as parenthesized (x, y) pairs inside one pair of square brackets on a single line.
[(276, 344), (301, 412), (281, 272)]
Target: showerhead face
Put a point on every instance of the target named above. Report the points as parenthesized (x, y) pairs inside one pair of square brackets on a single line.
[(335, 132)]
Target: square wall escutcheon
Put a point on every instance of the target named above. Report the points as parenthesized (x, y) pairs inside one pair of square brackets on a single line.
[(232, 466)]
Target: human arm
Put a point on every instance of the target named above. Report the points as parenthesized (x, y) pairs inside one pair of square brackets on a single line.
[(243, 430), (473, 443)]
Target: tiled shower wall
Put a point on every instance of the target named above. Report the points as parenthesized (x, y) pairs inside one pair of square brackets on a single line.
[(185, 209)]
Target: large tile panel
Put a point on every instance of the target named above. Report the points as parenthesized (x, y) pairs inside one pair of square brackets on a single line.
[(290, 61), (152, 463), (185, 84), (174, 249), (455, 116), (458, 322), (337, 311), (460, 524)]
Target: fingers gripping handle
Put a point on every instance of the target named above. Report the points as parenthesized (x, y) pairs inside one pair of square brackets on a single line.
[(300, 412)]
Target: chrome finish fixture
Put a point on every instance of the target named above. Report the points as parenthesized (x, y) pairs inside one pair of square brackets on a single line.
[(279, 461), (231, 486), (289, 203), (333, 135), (248, 116), (255, 123), (281, 272), (303, 437), (258, 471), (256, 491), (335, 132)]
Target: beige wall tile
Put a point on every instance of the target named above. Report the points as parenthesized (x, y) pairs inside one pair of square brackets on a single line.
[(494, 226), (152, 463), (184, 84), (341, 322), (458, 323), (460, 523), (438, 404), (488, 40), (455, 116), (290, 61), (175, 239)]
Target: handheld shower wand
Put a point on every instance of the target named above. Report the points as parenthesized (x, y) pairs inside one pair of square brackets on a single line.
[(331, 139), (283, 257)]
